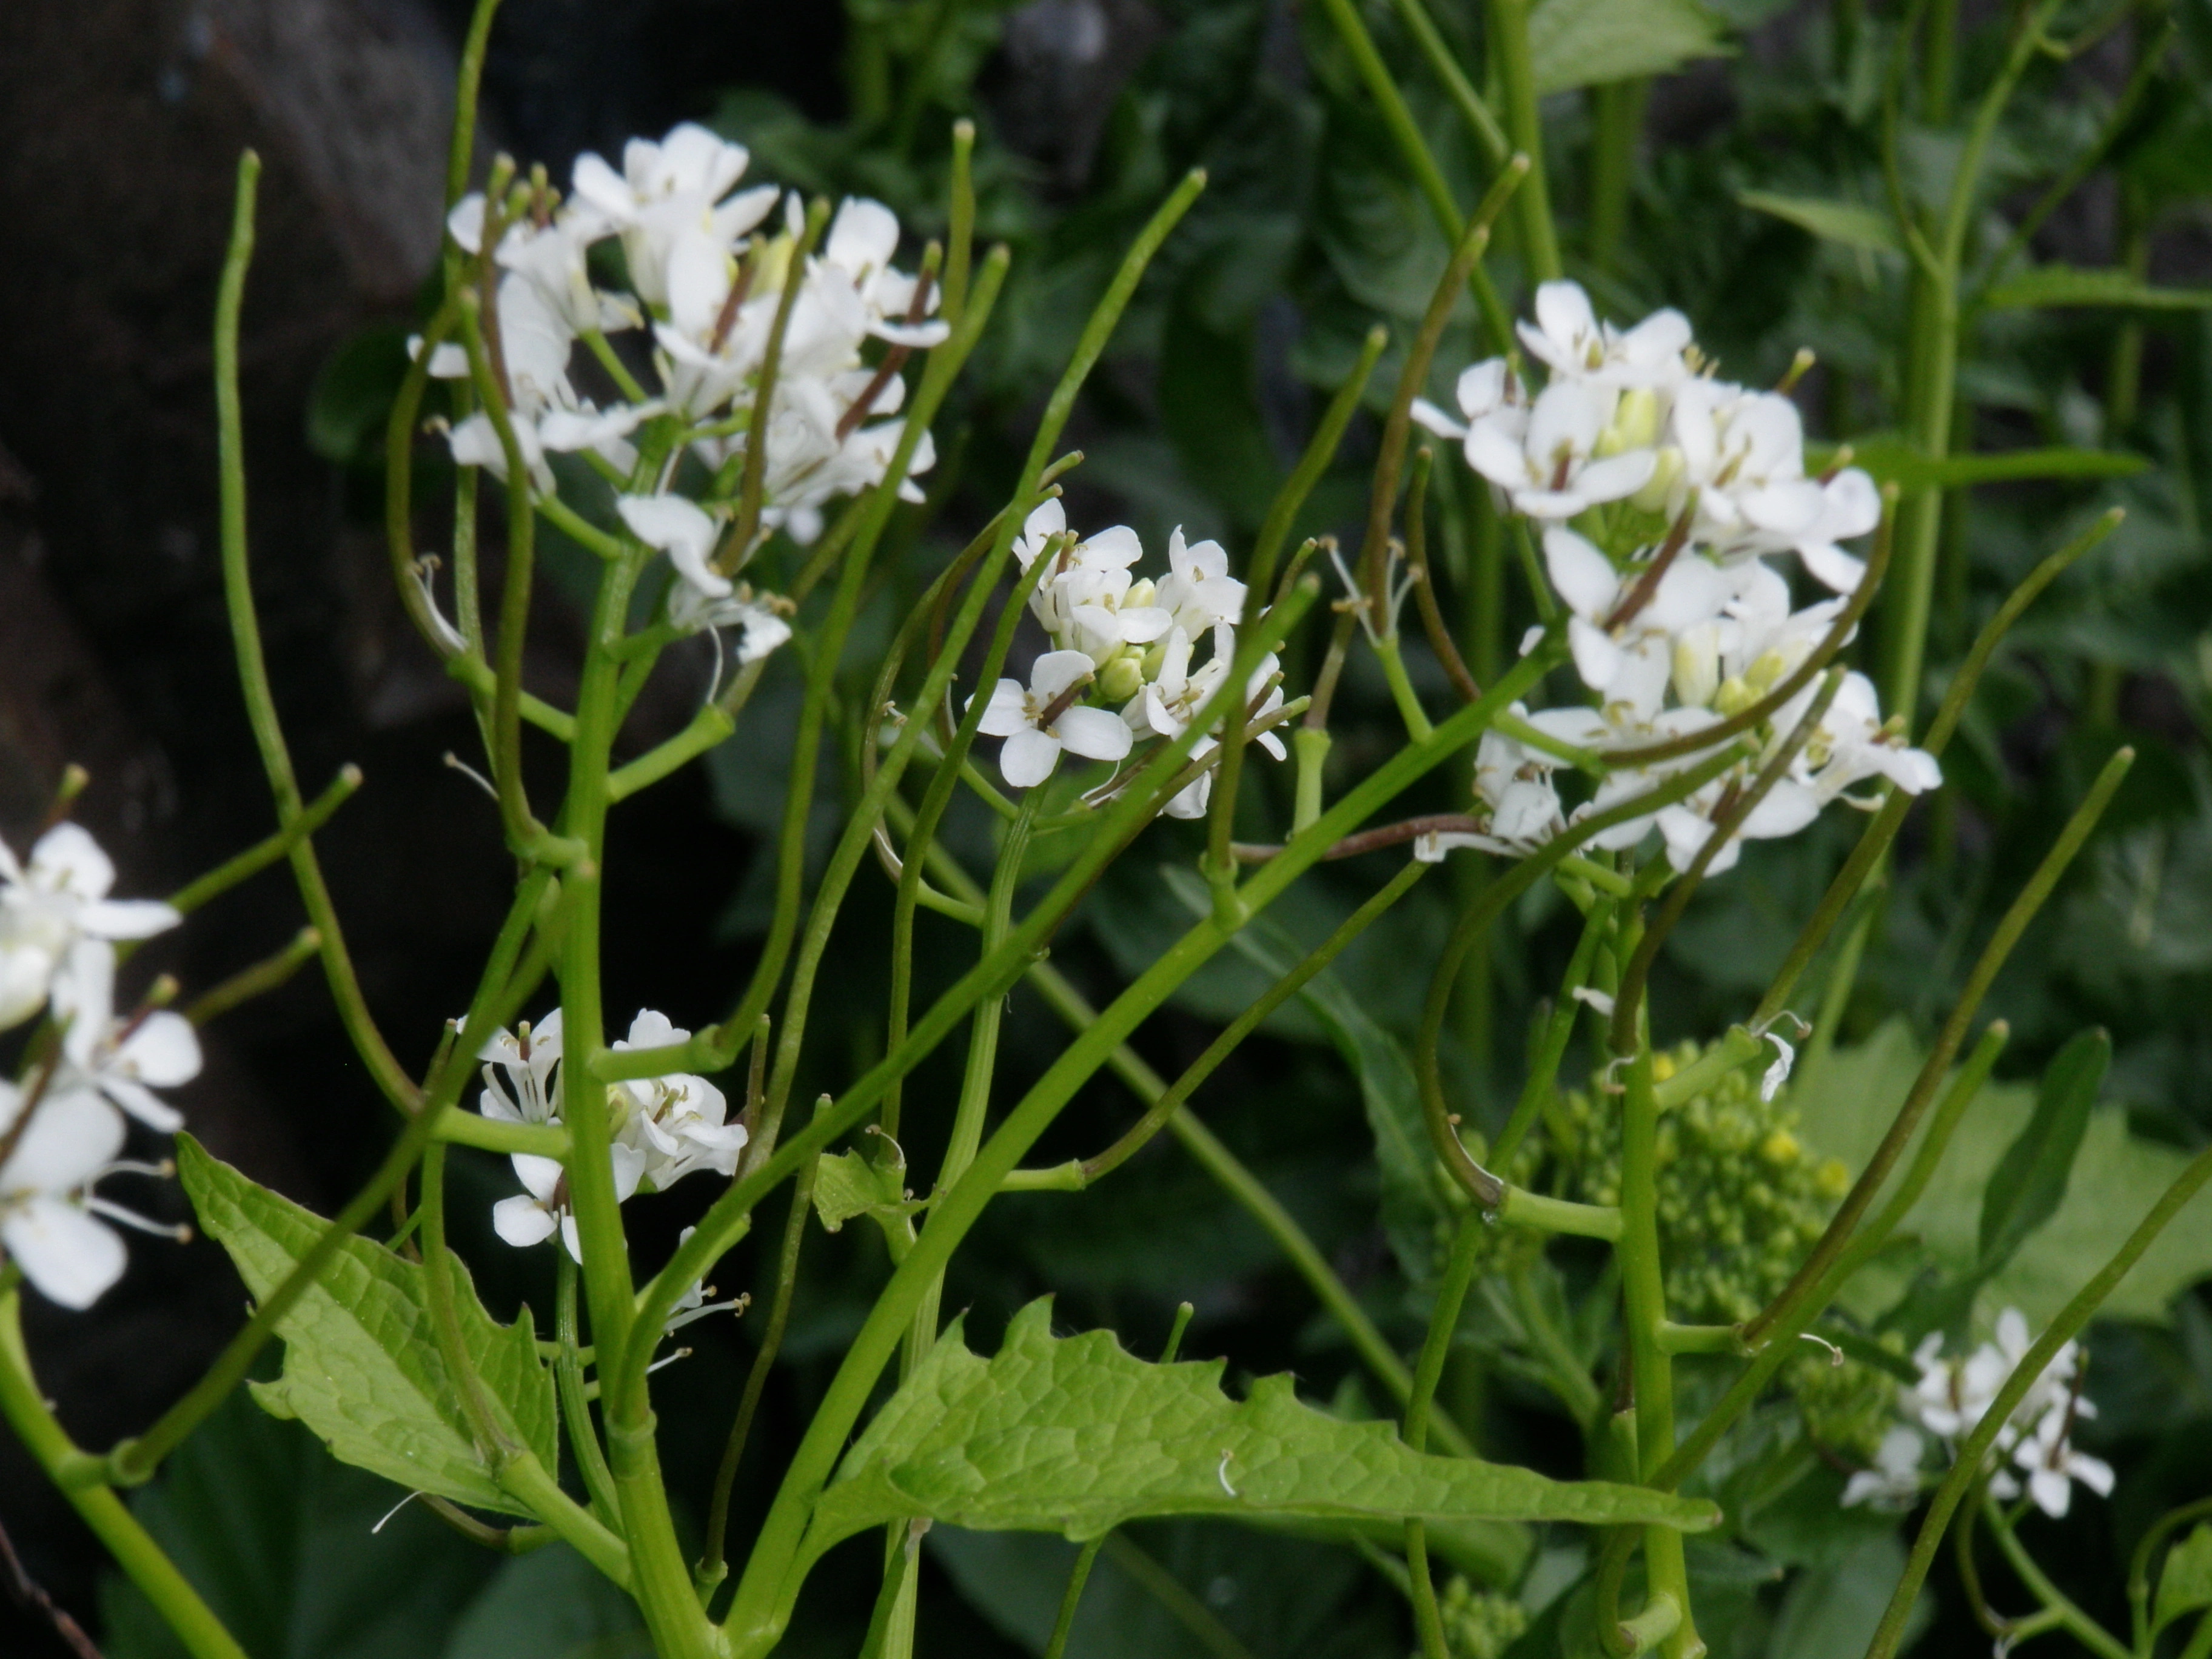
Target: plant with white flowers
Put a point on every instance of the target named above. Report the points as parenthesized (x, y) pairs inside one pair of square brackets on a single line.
[(724, 394)]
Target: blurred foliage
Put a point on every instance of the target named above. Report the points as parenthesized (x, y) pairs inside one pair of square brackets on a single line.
[(1755, 201)]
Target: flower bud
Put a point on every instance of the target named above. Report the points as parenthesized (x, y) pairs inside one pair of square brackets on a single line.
[(1635, 423), (1659, 489), (1121, 678), (1697, 669), (1142, 592)]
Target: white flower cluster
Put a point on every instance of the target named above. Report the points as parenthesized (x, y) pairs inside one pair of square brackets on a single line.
[(1953, 1395), (665, 1127), (62, 1128), (1659, 492), (1120, 667), (708, 269)]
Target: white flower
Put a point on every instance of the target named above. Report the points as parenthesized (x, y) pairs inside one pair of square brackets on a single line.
[(1482, 390), (44, 1222), (1198, 592), (531, 1058), (125, 1060), (862, 238), (2052, 1465), (1574, 345), (1894, 1481), (1631, 662), (1547, 460), (675, 1123), (1853, 743), (669, 204), (45, 906), (683, 530), (532, 1216), (1039, 722)]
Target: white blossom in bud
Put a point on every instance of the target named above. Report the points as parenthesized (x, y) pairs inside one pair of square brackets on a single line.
[(529, 1058)]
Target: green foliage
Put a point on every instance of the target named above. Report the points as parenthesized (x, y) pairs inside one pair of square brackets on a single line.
[(360, 1369), (1076, 1436), (2185, 1582), (287, 1547), (2065, 285), (1849, 1104), (1587, 43)]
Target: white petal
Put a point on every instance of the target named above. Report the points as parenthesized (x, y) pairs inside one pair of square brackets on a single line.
[(667, 522), (1597, 658), (1494, 450), (1114, 549), (1007, 712), (1028, 758), (1094, 733), (73, 1135), (1563, 312), (143, 1103), (1584, 577), (1833, 568), (127, 918), (1616, 475), (84, 997), (1428, 414), (70, 1257), (522, 1222), (541, 1176), (163, 1051), (1055, 670)]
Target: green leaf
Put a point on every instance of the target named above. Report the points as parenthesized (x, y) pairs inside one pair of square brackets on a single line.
[(1076, 1436), (846, 1185), (1871, 229), (1387, 1087), (1587, 43), (551, 1604), (2030, 1179), (2056, 286), (284, 1544), (352, 395), (1893, 460), (360, 1368), (2184, 1584), (1847, 1106)]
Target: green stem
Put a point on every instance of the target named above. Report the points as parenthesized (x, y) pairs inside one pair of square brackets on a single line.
[(462, 149), (975, 1102), (576, 1410), (2008, 930), (1617, 128), (1932, 368), (191, 1619), (714, 1559), (2091, 1634), (254, 671), (260, 856), (1644, 1313), (1507, 36), (1419, 160), (1435, 1348), (1072, 1598), (1414, 15)]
